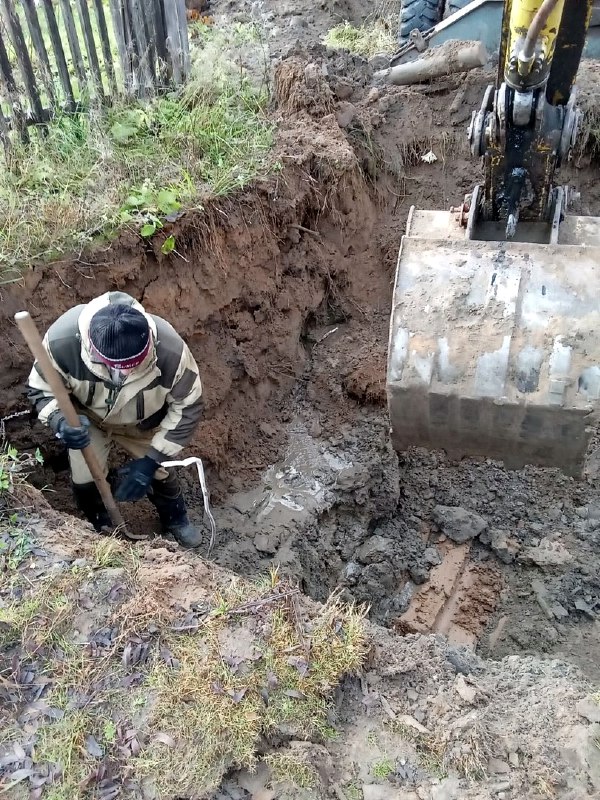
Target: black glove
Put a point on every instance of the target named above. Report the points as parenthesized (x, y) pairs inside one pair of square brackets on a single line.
[(75, 438), (136, 477)]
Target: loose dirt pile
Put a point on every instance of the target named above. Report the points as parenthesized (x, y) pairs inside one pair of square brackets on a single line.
[(284, 299)]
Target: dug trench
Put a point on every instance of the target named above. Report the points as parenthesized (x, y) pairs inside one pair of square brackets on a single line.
[(283, 294)]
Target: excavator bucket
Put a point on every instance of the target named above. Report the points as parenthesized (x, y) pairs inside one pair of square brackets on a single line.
[(494, 346)]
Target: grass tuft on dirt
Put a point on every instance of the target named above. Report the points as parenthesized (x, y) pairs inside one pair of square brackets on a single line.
[(288, 766), (133, 164), (373, 37), (108, 686)]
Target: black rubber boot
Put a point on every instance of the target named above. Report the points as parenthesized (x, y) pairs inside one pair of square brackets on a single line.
[(89, 502), (167, 498)]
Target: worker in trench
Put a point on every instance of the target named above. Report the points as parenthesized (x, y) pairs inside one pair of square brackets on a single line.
[(135, 384)]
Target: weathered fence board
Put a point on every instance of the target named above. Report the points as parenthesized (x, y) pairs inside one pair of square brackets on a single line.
[(23, 60), (90, 46), (63, 54), (59, 55), (105, 44), (37, 38)]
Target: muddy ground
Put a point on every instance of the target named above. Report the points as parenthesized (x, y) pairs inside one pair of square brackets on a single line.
[(284, 298)]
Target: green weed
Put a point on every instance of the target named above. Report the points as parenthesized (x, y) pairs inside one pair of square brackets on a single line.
[(15, 466), (383, 769)]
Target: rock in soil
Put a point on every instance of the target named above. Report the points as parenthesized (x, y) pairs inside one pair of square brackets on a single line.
[(458, 524)]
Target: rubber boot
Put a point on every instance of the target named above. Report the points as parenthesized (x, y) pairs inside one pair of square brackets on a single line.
[(167, 498), (89, 502)]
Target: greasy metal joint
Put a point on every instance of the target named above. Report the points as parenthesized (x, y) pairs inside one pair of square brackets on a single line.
[(524, 65)]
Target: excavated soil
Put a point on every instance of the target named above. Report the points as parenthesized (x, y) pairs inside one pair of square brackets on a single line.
[(284, 298)]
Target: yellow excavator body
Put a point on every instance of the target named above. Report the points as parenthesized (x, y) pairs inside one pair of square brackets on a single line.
[(494, 345)]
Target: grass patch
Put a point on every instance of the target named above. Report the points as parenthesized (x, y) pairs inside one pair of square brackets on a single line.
[(353, 791), (228, 707), (95, 172), (288, 766), (137, 162), (148, 701), (383, 769), (109, 552), (372, 37)]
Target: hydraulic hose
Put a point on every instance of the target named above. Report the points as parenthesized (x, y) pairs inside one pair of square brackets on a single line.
[(538, 24)]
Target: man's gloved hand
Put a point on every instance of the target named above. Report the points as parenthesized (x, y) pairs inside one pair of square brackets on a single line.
[(75, 438), (136, 477)]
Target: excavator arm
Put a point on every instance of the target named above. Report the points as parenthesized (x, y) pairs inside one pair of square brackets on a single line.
[(528, 122), (494, 346)]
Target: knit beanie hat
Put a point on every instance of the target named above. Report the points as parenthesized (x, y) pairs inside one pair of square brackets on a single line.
[(120, 336)]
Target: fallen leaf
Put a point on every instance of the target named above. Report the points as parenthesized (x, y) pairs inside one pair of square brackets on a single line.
[(9, 760), (165, 739), (168, 657), (272, 680), (18, 776), (238, 695), (294, 693), (300, 664), (93, 748), (411, 722)]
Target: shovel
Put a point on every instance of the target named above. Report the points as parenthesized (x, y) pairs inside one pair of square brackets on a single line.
[(31, 335)]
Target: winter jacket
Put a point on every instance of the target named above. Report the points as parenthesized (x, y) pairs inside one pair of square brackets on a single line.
[(163, 394)]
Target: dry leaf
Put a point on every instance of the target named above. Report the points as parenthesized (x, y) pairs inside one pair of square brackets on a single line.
[(18, 776), (272, 680), (295, 694), (165, 739), (19, 751), (300, 664), (93, 748), (411, 722), (238, 695)]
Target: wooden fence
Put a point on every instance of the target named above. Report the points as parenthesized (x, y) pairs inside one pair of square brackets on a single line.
[(65, 54)]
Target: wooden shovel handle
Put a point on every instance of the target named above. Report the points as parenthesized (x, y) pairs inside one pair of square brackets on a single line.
[(31, 335)]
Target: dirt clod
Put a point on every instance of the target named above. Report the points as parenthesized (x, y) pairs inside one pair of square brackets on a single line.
[(458, 524)]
